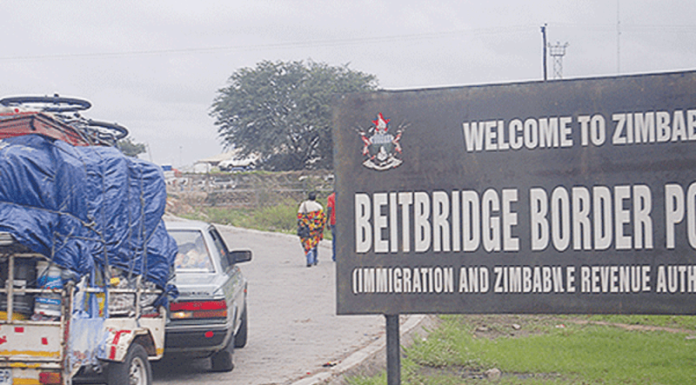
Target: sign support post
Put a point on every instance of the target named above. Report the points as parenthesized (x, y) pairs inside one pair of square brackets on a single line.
[(393, 350)]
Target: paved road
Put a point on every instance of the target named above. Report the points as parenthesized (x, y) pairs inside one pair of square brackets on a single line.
[(293, 326)]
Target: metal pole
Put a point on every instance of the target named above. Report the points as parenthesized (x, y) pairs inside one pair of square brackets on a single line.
[(543, 60), (393, 350)]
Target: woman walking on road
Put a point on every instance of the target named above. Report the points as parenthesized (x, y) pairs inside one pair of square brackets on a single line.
[(310, 227)]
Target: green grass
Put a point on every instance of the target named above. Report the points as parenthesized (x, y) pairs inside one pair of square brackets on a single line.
[(281, 217), (543, 352)]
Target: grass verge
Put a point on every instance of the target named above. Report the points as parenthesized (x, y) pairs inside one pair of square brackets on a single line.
[(281, 217), (513, 349)]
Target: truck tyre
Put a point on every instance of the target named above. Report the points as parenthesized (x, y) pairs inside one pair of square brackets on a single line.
[(240, 339), (222, 360), (134, 370)]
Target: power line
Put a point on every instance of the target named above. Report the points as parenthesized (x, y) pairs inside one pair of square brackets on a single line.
[(490, 31), (261, 47)]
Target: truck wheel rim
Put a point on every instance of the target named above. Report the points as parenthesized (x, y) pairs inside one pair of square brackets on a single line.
[(138, 372)]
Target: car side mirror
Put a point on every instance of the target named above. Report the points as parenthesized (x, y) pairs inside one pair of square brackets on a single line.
[(239, 256)]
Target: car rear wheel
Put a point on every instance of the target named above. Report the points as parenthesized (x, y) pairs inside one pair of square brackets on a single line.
[(134, 370), (222, 360), (240, 339)]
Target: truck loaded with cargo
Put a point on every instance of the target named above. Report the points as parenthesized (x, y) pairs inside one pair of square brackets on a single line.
[(85, 259)]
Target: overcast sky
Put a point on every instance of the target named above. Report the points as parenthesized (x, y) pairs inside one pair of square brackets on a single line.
[(155, 66)]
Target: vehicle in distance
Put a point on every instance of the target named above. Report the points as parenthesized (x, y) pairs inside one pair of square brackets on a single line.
[(209, 318)]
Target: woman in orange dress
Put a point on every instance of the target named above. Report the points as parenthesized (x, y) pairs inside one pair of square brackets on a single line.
[(310, 227)]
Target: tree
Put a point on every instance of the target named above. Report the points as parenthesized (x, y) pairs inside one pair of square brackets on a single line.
[(281, 111), (130, 148)]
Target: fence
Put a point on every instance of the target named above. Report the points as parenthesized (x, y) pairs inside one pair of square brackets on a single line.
[(248, 190)]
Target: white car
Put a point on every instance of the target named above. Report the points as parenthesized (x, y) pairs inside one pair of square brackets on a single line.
[(209, 318)]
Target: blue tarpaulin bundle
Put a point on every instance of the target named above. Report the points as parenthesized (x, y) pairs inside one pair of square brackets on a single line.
[(85, 207)]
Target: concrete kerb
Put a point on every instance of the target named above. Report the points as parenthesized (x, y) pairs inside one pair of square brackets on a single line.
[(359, 357)]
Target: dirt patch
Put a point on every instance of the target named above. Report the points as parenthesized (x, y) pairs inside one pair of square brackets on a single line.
[(483, 375), (493, 326), (519, 325), (643, 328)]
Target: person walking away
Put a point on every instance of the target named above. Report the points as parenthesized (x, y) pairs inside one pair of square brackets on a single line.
[(310, 227), (331, 212)]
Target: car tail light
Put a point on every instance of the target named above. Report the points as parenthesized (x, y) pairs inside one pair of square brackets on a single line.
[(198, 309), (50, 378)]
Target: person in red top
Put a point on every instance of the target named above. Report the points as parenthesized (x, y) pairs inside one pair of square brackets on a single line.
[(331, 211)]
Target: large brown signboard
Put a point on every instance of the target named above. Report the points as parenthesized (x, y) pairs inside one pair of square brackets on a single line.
[(574, 196)]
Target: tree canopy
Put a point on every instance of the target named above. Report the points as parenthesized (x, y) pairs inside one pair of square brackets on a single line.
[(130, 148), (281, 111)]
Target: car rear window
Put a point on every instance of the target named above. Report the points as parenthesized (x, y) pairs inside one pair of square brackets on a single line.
[(193, 255)]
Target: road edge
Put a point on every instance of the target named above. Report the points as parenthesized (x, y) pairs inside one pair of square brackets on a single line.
[(356, 359)]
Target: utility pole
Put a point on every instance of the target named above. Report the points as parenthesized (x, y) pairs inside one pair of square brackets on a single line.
[(557, 52), (543, 59)]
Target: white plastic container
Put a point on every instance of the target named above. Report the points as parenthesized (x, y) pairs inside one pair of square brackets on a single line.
[(48, 277)]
